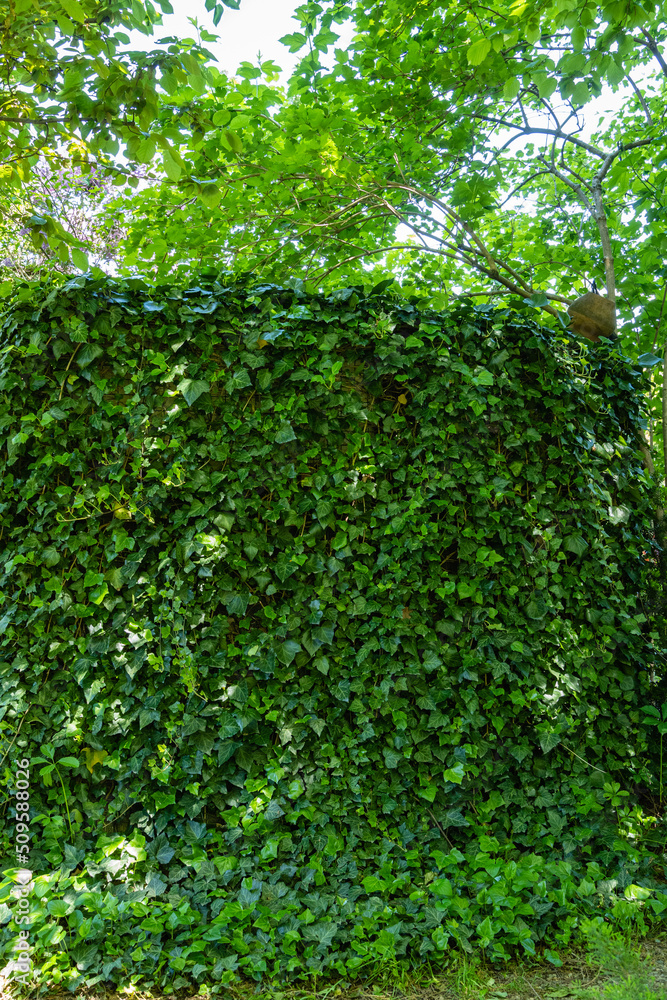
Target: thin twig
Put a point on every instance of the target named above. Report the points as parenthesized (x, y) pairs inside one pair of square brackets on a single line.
[(439, 827)]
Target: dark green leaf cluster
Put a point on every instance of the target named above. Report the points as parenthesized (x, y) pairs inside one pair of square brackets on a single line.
[(320, 624)]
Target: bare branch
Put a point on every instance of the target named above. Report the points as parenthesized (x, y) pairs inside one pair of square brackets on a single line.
[(652, 46), (642, 101), (538, 173), (366, 253), (601, 219), (523, 112), (533, 130), (584, 183)]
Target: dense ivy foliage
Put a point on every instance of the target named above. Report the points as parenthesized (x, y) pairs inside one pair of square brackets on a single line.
[(321, 627)]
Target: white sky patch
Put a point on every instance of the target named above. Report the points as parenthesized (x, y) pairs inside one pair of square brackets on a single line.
[(254, 28)]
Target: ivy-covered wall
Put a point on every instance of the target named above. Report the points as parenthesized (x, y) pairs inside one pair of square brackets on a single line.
[(321, 625)]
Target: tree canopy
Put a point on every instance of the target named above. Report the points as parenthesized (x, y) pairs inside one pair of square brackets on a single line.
[(72, 93)]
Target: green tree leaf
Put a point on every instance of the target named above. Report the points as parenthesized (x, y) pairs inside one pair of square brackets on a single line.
[(74, 10), (79, 259), (478, 51), (172, 169)]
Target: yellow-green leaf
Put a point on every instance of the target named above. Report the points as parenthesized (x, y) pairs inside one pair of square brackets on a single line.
[(62, 253), (455, 774), (615, 74), (79, 259), (74, 10), (145, 150), (171, 168), (636, 892), (169, 83), (578, 37), (511, 88), (545, 85), (580, 94), (478, 51), (234, 141), (210, 194), (94, 757), (197, 82)]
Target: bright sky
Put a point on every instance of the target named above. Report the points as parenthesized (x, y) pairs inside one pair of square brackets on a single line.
[(256, 27)]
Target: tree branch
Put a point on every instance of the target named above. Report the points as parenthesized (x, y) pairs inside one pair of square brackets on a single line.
[(538, 173), (533, 130), (652, 46), (642, 101), (601, 219), (553, 169), (366, 253), (622, 149)]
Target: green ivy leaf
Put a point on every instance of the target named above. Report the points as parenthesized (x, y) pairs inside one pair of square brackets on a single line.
[(192, 389), (287, 651), (372, 883), (548, 741), (239, 380), (455, 774), (391, 758), (238, 605), (536, 608), (114, 577), (284, 434), (50, 556), (88, 353), (324, 507), (295, 788), (575, 543)]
